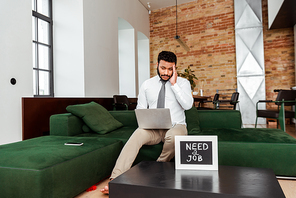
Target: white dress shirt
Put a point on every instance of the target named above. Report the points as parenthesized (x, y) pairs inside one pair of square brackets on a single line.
[(177, 98)]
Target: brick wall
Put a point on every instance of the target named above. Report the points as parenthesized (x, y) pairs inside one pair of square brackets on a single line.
[(207, 27)]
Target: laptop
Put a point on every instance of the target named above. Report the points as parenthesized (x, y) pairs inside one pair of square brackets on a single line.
[(154, 118)]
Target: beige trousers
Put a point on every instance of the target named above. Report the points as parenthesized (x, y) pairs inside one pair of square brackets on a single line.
[(147, 137)]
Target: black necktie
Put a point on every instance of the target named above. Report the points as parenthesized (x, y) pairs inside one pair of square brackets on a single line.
[(161, 95)]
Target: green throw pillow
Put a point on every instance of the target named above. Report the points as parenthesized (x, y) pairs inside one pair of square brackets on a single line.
[(192, 121), (95, 116)]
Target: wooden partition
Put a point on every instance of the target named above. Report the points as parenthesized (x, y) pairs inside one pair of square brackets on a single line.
[(37, 111)]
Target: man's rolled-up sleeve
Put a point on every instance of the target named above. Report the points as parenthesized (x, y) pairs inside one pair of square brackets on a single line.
[(182, 90)]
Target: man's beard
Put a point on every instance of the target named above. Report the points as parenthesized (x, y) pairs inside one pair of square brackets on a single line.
[(163, 75)]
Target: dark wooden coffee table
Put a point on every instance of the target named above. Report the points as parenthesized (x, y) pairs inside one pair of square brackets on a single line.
[(160, 179)]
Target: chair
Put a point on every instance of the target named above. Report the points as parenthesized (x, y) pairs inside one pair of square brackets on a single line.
[(232, 102), (215, 99), (284, 98), (121, 102)]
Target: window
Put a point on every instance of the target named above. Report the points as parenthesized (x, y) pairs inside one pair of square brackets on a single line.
[(42, 48)]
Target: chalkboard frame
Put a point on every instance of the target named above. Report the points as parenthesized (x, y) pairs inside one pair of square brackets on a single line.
[(213, 139)]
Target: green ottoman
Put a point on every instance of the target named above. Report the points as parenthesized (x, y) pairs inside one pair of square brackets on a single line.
[(45, 167)]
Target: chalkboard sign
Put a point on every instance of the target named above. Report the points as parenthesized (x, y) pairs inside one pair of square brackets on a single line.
[(196, 152)]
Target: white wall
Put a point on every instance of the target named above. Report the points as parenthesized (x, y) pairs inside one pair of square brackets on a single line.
[(127, 74), (68, 48), (86, 45), (273, 9), (100, 21), (143, 58), (15, 62), (85, 55)]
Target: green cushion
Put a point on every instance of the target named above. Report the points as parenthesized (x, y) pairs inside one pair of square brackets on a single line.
[(65, 124), (127, 118), (122, 134), (95, 116), (210, 119), (45, 167), (192, 121), (253, 135)]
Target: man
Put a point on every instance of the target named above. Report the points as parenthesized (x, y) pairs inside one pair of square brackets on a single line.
[(177, 97)]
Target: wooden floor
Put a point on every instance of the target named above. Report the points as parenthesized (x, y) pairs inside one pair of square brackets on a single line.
[(95, 193), (288, 185)]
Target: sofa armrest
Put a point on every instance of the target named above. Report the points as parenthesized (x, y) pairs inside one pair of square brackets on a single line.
[(209, 119), (65, 125)]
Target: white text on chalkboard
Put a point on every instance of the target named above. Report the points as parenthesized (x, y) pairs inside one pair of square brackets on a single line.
[(196, 152)]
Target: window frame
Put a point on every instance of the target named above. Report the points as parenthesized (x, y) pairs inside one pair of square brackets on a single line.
[(36, 44)]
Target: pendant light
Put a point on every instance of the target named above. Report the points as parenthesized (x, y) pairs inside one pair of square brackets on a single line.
[(178, 37)]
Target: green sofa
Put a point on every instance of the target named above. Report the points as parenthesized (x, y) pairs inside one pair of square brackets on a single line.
[(237, 146), (45, 167)]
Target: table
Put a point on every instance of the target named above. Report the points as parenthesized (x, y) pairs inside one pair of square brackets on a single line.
[(200, 99), (160, 179)]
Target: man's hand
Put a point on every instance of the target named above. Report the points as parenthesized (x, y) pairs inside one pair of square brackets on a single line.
[(173, 79)]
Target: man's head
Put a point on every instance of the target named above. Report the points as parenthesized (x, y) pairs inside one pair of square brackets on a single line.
[(165, 64)]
